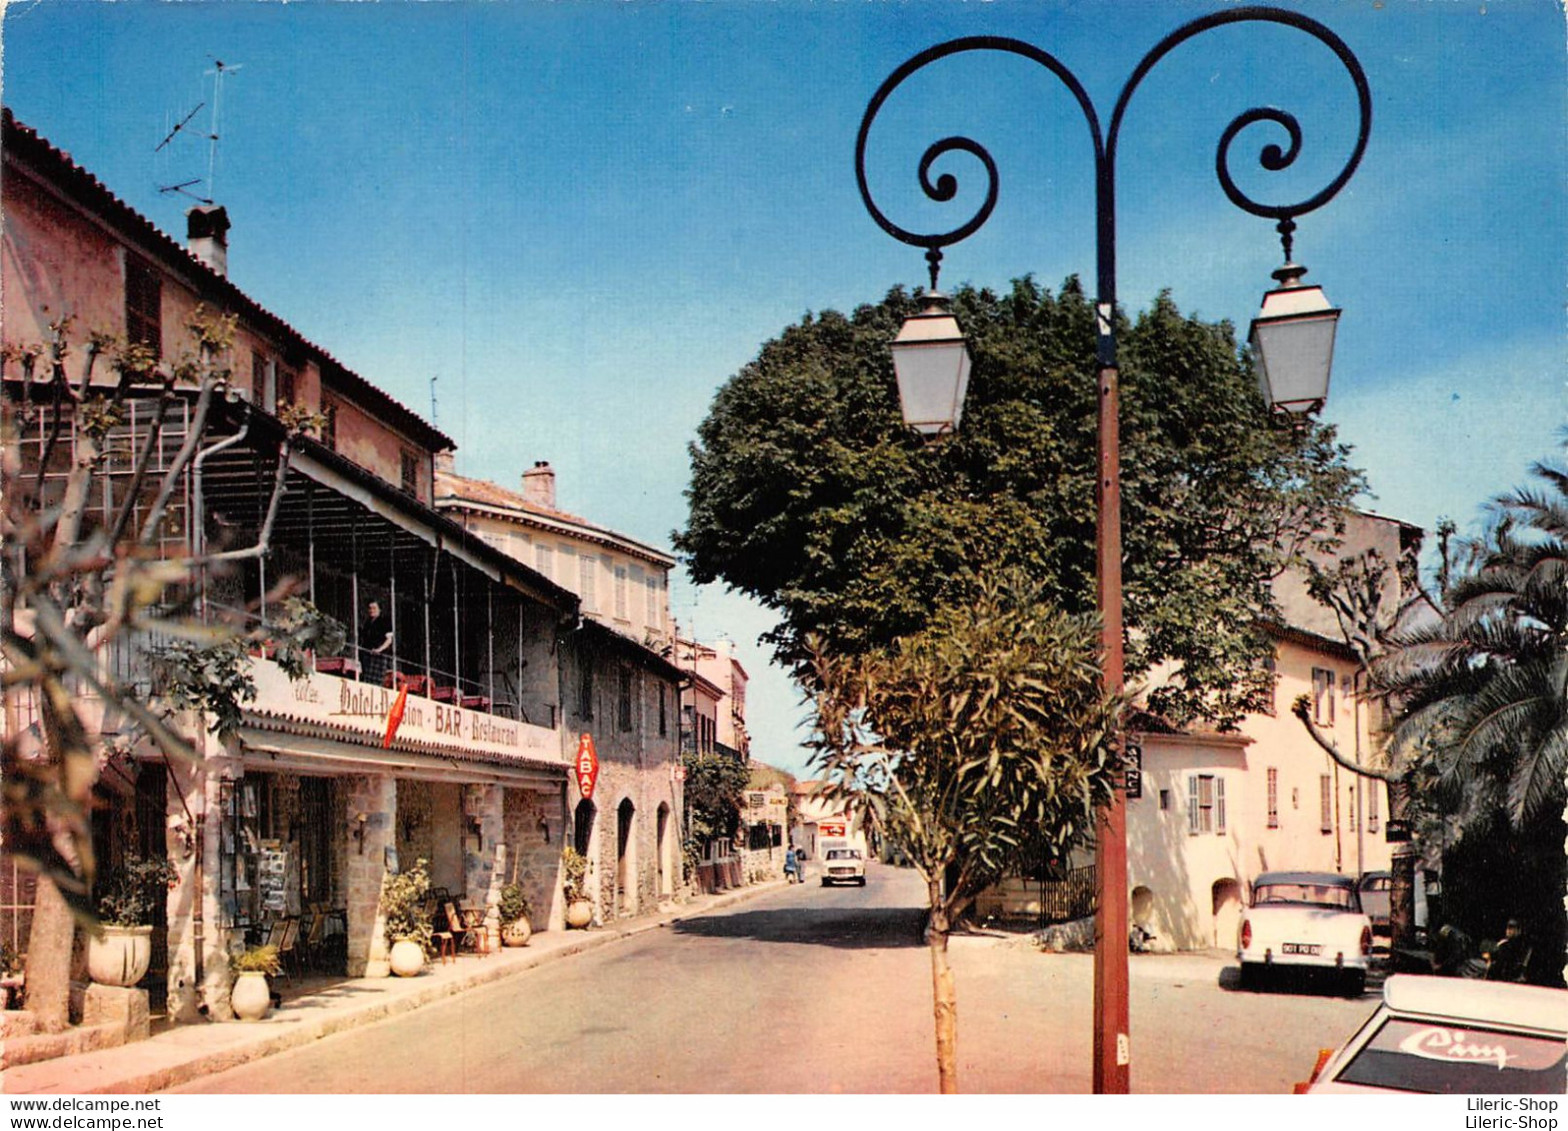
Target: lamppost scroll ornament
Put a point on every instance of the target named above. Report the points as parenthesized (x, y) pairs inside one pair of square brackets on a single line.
[(1272, 157)]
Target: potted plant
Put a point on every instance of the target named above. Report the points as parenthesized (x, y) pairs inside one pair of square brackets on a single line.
[(119, 951), (251, 997), (513, 907), (403, 916), (574, 878)]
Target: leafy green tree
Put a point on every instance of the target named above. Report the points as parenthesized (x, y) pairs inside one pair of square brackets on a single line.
[(1481, 699), (713, 793), (962, 741), (809, 494)]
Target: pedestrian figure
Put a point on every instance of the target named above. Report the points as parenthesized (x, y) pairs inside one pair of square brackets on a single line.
[(375, 644), (791, 865), (1511, 957)]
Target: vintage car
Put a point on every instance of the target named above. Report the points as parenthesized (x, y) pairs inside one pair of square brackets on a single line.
[(844, 866), (1305, 920), (1450, 1036)]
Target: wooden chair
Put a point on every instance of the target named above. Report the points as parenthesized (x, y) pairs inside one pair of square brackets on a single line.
[(465, 935), (315, 937), (288, 947), (445, 940)]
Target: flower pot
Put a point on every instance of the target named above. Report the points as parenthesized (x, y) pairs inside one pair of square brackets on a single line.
[(251, 997), (579, 913), (408, 958), (120, 956), (517, 932)]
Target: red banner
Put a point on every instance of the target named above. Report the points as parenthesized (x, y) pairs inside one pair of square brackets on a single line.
[(395, 716), (587, 766)]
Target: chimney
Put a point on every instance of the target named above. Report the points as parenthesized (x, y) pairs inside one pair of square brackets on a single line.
[(446, 462), (539, 485), (207, 236)]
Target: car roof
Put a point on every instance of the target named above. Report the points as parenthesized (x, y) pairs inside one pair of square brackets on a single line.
[(1304, 878), (1496, 1003), (1375, 875)]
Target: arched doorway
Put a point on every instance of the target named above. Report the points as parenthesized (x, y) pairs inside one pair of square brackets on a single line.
[(1141, 907), (666, 853), (626, 857), (582, 826), (1227, 912)]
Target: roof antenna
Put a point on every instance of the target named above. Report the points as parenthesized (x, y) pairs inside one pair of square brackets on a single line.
[(433, 381), (220, 69)]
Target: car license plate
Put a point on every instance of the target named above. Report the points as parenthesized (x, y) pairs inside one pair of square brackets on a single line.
[(1300, 948)]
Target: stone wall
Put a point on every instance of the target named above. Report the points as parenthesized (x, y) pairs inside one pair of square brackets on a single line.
[(533, 828)]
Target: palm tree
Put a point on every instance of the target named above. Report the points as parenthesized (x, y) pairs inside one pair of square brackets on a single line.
[(1482, 695), (1480, 698)]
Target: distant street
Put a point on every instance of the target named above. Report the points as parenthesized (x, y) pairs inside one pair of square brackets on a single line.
[(813, 990)]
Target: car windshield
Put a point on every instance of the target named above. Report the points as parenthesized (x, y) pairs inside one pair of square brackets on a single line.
[(1452, 1057), (843, 854), (1319, 895), (1376, 883)]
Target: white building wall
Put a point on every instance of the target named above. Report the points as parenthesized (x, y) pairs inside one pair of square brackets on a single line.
[(1187, 886)]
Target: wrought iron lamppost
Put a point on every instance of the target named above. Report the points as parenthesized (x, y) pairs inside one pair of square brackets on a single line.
[(1292, 338)]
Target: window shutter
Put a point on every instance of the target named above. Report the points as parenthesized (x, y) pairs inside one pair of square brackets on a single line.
[(1219, 805), (1193, 814)]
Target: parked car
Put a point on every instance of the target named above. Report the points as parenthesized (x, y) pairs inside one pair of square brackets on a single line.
[(1449, 1036), (1305, 920), (844, 865), (1376, 900), (1375, 889)]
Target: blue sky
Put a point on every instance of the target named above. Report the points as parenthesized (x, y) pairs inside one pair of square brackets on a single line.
[(582, 218)]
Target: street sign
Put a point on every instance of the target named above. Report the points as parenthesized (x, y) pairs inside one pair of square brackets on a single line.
[(1133, 767), (587, 766)]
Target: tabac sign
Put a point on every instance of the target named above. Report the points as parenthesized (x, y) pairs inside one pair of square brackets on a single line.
[(587, 766)]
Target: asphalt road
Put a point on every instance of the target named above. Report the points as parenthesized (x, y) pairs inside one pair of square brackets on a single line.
[(810, 991)]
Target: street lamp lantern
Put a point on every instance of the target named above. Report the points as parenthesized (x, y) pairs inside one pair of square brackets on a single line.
[(932, 365), (1293, 343)]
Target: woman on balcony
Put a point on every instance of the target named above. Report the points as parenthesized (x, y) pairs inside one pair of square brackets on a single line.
[(375, 643)]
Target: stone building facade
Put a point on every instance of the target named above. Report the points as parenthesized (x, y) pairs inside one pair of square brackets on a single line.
[(315, 797)]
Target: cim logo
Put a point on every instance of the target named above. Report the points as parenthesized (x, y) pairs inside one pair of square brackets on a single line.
[(1438, 1043)]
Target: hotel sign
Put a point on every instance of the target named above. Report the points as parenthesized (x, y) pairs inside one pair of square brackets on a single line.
[(363, 708)]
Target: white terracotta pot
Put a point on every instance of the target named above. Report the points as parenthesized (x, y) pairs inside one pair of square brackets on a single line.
[(408, 958), (251, 997), (120, 957), (579, 913), (517, 932)]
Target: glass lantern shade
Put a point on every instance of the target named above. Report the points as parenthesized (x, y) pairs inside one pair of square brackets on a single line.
[(1293, 344), (932, 364)]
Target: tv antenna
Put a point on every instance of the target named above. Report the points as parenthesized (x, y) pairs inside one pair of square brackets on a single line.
[(433, 381), (220, 68)]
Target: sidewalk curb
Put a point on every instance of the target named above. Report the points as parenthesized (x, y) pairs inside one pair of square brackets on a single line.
[(250, 1045)]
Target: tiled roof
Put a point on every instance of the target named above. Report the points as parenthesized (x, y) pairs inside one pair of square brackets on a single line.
[(456, 490), (95, 197)]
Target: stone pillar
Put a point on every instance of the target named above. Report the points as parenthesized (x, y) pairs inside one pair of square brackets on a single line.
[(481, 805), (369, 815)]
